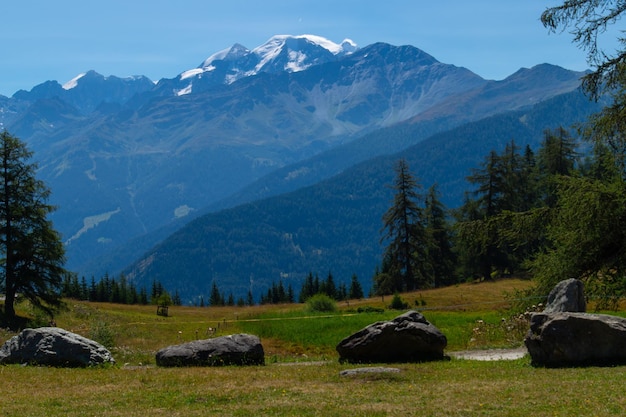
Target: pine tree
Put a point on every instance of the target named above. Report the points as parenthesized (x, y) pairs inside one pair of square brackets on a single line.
[(504, 183), (307, 288), (328, 287), (32, 251), (84, 290), (215, 299), (93, 290), (556, 156), (356, 291), (441, 258), (404, 232), (290, 295)]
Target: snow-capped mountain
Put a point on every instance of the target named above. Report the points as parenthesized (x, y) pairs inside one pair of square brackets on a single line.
[(88, 90), (281, 53), (125, 157)]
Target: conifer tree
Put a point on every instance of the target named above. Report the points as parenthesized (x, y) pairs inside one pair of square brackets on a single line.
[(32, 252), (503, 184), (328, 287), (356, 291), (556, 156), (215, 299), (441, 258), (404, 232)]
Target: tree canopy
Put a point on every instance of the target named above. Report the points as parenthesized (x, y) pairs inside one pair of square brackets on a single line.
[(419, 249), (588, 20), (403, 228), (32, 251), (585, 236)]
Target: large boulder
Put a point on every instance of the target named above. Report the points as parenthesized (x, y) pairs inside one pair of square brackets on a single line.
[(568, 295), (53, 346), (576, 339), (407, 338), (237, 349)]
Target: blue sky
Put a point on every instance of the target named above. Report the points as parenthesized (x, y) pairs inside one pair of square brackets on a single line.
[(56, 40)]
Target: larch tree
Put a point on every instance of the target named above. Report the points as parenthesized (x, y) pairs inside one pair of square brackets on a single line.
[(505, 184), (441, 258), (356, 291), (476, 232), (404, 231), (32, 252), (585, 235), (588, 21)]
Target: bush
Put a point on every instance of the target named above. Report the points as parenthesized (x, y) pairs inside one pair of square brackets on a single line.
[(101, 333), (397, 303), (321, 302)]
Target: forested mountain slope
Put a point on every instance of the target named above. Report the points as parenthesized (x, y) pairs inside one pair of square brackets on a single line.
[(334, 225)]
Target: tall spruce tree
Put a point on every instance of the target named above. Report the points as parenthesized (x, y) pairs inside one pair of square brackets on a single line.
[(441, 258), (215, 298), (404, 232), (477, 234), (32, 251), (556, 156), (505, 183), (356, 291)]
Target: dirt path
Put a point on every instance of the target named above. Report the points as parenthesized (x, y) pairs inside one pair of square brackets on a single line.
[(490, 354)]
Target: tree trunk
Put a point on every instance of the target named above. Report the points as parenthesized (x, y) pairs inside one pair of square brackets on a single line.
[(9, 306)]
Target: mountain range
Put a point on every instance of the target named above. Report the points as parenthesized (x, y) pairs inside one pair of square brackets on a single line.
[(131, 161)]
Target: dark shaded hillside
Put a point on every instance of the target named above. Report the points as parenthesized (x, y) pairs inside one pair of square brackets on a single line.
[(334, 225)]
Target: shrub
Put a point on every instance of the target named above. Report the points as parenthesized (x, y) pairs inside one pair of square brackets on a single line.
[(101, 333), (397, 303), (321, 302)]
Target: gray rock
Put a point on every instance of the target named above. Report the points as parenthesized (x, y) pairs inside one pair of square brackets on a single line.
[(576, 339), (407, 338), (237, 349), (568, 295), (53, 346)]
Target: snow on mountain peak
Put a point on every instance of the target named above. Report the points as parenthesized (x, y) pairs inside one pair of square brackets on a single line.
[(229, 54), (349, 46), (279, 41), (280, 53), (299, 50), (73, 82)]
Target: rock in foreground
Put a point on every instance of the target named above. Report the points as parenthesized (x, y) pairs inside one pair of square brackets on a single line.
[(568, 295), (576, 339), (237, 349), (52, 346), (407, 338)]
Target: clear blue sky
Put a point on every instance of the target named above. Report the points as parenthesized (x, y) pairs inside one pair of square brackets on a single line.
[(56, 40)]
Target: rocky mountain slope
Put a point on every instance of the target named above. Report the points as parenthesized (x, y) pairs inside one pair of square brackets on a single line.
[(125, 157)]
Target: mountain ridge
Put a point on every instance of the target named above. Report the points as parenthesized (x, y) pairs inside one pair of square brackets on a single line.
[(155, 158)]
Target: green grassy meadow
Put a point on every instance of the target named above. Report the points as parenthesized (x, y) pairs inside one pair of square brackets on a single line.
[(301, 376)]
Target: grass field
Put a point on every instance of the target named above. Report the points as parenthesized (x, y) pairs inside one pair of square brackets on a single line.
[(301, 376)]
